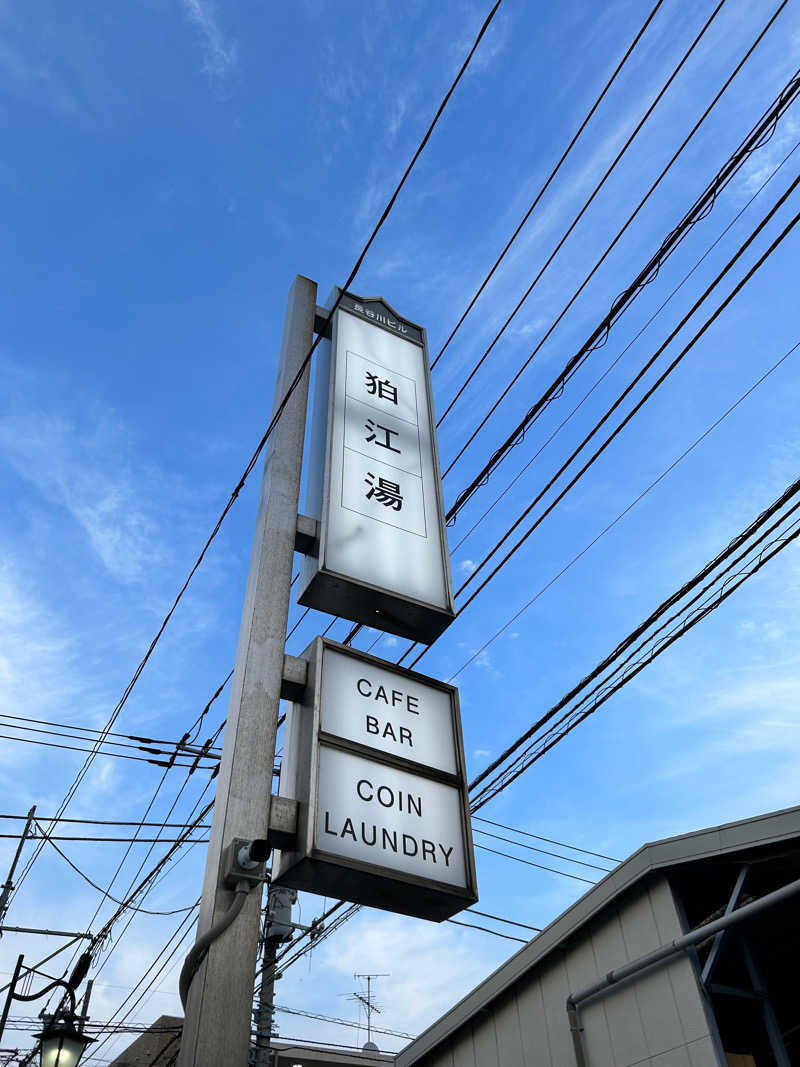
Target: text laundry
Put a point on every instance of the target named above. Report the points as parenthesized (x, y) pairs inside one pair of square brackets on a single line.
[(379, 837)]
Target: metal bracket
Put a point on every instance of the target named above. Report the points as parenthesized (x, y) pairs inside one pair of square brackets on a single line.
[(306, 536), (321, 324), (295, 679), (282, 822)]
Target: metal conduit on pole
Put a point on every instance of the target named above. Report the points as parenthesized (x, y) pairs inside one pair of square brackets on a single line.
[(673, 948)]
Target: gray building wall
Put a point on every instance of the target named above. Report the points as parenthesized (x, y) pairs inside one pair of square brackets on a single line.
[(657, 1019)]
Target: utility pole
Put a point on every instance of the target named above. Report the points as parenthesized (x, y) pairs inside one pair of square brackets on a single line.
[(218, 1012), (8, 885), (278, 928)]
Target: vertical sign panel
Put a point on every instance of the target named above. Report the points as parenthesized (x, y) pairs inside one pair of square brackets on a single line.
[(382, 552)]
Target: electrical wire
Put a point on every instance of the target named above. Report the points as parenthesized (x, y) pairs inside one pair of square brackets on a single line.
[(549, 179), (72, 729), (759, 135), (530, 863), (486, 930), (549, 840), (606, 689), (498, 918), (106, 894), (110, 822), (74, 748), (533, 848), (273, 421), (668, 470), (645, 397), (585, 208), (627, 348)]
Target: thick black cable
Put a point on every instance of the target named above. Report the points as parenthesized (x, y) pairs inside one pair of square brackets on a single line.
[(666, 605), (650, 391), (550, 177), (274, 420), (637, 500), (642, 329), (73, 748), (111, 822), (72, 737), (758, 136), (71, 729), (571, 228), (680, 594), (94, 885), (698, 617)]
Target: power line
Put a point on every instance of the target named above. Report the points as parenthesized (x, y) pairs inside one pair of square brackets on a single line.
[(111, 822), (550, 840), (645, 397), (342, 1022), (274, 420), (72, 729), (497, 918), (530, 863), (118, 755), (759, 135), (656, 481), (605, 690), (106, 894), (549, 179), (533, 848), (757, 138), (627, 347), (486, 930), (580, 215)]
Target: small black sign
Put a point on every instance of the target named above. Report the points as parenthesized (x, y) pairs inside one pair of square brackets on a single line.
[(378, 312)]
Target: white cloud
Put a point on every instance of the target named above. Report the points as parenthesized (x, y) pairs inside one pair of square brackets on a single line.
[(467, 566), (221, 53), (390, 642)]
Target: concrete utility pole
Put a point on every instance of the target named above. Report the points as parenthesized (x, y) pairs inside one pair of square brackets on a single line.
[(218, 1013)]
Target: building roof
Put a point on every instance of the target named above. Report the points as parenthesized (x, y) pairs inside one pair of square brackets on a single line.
[(659, 856)]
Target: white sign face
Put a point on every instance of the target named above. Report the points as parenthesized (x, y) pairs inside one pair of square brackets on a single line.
[(375, 760), (385, 710), (377, 814), (383, 523)]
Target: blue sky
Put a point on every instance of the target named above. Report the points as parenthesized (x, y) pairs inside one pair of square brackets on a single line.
[(168, 168)]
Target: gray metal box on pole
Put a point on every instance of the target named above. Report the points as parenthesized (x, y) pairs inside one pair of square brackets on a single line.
[(218, 1014)]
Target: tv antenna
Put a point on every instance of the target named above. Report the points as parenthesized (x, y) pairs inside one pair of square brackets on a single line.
[(365, 1000)]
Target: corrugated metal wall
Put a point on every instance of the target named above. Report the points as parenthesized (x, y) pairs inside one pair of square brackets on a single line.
[(657, 1019)]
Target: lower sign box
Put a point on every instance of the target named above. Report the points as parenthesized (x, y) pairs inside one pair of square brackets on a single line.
[(375, 826)]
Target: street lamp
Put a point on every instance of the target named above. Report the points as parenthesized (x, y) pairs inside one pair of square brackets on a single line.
[(61, 1044)]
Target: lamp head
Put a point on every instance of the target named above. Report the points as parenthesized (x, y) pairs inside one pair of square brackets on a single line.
[(61, 1045)]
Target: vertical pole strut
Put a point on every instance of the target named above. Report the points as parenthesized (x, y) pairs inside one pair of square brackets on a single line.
[(8, 885), (218, 1011), (10, 997)]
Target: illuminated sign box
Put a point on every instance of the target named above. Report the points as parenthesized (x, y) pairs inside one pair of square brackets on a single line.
[(374, 479), (375, 759)]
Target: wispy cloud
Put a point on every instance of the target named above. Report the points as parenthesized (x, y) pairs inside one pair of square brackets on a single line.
[(221, 52), (84, 471)]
